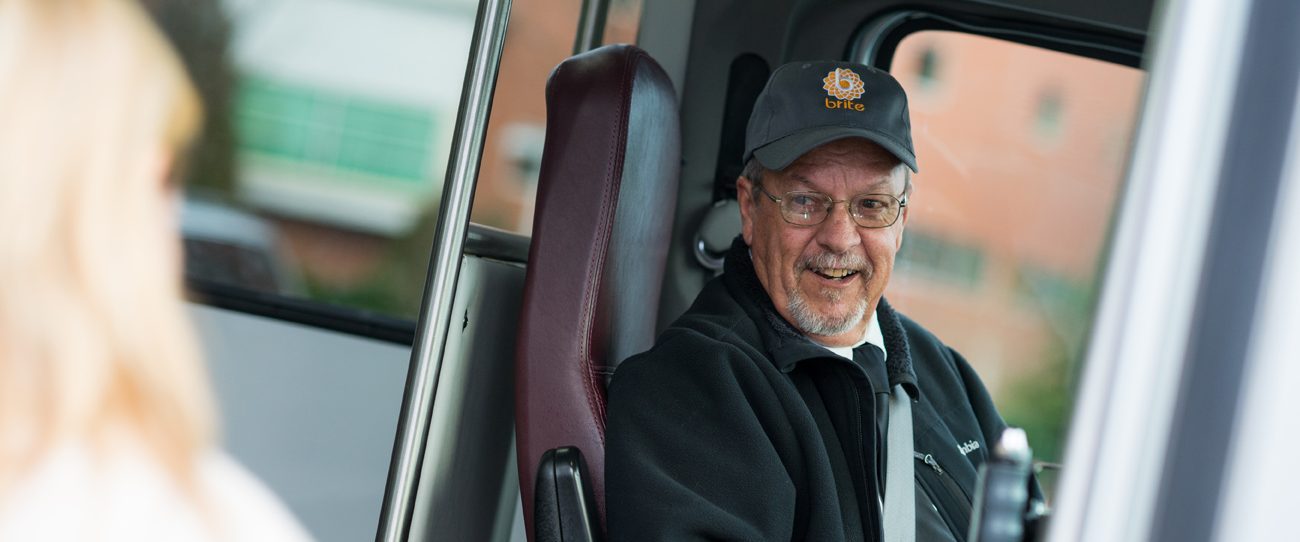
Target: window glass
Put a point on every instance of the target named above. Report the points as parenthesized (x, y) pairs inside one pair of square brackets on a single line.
[(1021, 151), (319, 173), (540, 36), (328, 130)]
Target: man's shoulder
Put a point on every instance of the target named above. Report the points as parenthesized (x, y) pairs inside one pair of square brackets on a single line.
[(915, 331), (927, 351), (941, 371)]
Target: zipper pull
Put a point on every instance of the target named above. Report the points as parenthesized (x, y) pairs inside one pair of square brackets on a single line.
[(928, 460)]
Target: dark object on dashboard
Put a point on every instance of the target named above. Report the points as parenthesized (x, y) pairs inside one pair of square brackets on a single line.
[(1003, 511)]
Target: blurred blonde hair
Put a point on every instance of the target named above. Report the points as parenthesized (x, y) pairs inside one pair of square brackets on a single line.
[(94, 336)]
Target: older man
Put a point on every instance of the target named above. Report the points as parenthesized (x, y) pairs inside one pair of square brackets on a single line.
[(764, 412)]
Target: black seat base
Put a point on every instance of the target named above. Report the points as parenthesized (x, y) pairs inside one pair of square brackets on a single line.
[(564, 509)]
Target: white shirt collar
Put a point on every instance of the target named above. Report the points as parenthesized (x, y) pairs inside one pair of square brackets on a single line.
[(872, 336)]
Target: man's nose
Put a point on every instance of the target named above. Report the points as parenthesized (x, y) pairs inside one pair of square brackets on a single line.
[(838, 233)]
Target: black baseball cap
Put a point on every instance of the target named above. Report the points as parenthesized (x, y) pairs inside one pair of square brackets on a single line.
[(808, 104)]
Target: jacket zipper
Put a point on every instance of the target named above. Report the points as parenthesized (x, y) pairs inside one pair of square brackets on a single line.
[(862, 459), (956, 511)]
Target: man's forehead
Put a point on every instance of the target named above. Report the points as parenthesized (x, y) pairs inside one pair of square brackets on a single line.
[(880, 179)]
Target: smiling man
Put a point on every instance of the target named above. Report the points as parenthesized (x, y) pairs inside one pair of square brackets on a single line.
[(791, 402)]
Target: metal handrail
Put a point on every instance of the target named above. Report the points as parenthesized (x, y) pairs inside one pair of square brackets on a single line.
[(444, 269)]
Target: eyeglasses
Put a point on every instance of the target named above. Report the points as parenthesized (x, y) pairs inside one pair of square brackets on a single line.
[(812, 208)]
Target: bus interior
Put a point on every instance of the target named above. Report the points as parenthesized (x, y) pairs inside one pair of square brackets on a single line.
[(1103, 223)]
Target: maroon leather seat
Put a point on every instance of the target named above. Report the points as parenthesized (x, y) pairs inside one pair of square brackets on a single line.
[(605, 204)]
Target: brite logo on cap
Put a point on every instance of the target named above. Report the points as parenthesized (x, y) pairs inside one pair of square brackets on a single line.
[(843, 84)]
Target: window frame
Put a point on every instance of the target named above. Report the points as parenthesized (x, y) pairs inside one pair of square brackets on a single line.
[(482, 241), (877, 38)]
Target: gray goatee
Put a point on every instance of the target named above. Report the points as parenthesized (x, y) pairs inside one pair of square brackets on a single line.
[(810, 321)]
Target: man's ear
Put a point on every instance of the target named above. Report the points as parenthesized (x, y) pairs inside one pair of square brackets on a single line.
[(745, 195), (902, 224)]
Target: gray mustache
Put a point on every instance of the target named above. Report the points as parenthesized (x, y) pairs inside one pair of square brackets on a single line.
[(840, 261)]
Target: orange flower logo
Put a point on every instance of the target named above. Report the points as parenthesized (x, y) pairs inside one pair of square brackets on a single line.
[(843, 84)]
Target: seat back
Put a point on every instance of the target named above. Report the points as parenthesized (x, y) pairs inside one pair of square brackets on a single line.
[(605, 203)]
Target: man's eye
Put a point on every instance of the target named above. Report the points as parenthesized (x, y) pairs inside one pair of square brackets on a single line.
[(803, 201), (872, 204)]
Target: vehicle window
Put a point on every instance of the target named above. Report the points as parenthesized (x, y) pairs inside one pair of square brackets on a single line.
[(1021, 151), (329, 127), (541, 35), (328, 130)]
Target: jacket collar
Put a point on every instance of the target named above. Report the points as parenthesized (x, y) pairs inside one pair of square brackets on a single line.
[(787, 346)]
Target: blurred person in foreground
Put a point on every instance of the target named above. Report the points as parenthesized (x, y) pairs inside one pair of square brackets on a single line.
[(106, 417)]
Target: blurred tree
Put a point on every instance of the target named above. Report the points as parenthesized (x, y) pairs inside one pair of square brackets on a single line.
[(200, 32), (1040, 404)]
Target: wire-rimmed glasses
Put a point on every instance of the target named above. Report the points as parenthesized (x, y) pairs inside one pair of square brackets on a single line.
[(812, 208)]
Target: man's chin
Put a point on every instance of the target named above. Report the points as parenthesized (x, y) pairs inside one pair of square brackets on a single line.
[(826, 323)]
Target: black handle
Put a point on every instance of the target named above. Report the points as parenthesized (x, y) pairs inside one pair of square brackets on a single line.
[(563, 506), (1002, 493)]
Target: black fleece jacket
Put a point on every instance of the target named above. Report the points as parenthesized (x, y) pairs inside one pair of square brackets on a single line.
[(734, 426)]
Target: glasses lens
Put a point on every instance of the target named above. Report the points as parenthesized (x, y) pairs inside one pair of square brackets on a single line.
[(804, 208), (875, 210)]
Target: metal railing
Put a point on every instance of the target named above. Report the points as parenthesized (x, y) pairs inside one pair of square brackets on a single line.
[(444, 269)]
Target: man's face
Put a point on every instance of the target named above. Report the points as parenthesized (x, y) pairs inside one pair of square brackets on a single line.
[(825, 279)]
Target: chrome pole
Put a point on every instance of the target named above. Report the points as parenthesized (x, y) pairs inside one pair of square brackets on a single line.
[(591, 25), (444, 269)]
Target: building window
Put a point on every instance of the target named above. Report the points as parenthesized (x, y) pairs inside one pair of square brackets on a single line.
[(927, 68), (1048, 116), (941, 259)]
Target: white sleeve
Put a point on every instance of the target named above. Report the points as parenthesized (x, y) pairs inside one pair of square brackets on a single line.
[(245, 508)]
